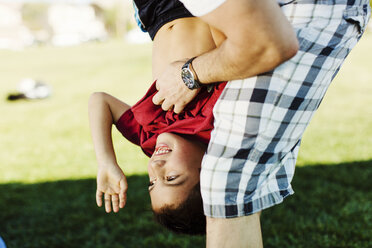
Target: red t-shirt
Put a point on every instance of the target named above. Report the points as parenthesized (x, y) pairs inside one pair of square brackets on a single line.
[(143, 122)]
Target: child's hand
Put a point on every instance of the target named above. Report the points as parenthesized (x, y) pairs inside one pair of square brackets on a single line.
[(111, 182)]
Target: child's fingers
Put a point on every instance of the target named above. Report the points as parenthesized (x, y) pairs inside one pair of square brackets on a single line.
[(108, 203), (123, 193), (99, 198), (115, 203), (123, 199)]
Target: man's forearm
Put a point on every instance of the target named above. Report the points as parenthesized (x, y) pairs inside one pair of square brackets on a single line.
[(258, 39), (240, 232)]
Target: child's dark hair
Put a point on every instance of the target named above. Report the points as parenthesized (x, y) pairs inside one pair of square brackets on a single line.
[(187, 218)]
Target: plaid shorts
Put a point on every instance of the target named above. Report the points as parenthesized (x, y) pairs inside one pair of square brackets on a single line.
[(259, 121)]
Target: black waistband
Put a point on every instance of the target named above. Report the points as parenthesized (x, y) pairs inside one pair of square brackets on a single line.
[(155, 13)]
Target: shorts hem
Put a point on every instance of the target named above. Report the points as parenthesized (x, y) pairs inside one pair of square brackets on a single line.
[(247, 208)]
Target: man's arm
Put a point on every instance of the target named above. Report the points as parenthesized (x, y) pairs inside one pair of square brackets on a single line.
[(242, 232), (258, 39)]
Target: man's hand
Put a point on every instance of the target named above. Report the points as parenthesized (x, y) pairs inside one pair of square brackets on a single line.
[(172, 92), (112, 183)]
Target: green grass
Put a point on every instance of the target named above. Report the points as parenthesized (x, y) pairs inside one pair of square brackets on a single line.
[(49, 140), (47, 163)]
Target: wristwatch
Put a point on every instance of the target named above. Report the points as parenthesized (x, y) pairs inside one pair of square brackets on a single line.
[(189, 76)]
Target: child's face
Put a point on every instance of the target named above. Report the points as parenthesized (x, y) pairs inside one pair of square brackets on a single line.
[(173, 169)]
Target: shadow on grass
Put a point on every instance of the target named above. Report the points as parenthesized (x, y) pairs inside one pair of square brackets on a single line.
[(331, 208), (64, 214)]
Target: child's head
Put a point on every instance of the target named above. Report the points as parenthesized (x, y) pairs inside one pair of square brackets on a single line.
[(174, 172)]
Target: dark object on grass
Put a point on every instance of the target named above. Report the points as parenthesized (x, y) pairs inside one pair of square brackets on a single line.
[(30, 89), (16, 96)]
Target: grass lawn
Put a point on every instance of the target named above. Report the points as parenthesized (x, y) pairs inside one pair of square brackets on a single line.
[(47, 164)]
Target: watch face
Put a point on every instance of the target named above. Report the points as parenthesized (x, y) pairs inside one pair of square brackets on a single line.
[(188, 78)]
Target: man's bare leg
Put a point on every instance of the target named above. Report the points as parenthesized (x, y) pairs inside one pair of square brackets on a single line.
[(240, 232)]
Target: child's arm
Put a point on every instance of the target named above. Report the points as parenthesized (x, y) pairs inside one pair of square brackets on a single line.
[(104, 111)]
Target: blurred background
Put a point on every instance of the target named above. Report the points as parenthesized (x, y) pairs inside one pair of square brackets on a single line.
[(55, 53), (25, 23)]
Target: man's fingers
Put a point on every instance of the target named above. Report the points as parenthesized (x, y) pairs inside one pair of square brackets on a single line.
[(178, 108), (157, 85), (108, 203), (99, 198), (166, 105), (157, 99), (115, 203)]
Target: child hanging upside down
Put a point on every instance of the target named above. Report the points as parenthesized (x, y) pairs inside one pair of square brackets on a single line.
[(174, 143)]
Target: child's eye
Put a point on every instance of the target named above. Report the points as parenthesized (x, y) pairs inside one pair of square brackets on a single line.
[(171, 178)]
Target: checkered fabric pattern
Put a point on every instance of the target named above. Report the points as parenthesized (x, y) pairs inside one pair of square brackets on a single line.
[(259, 121)]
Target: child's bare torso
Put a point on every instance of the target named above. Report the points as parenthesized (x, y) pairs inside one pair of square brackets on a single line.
[(180, 39)]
